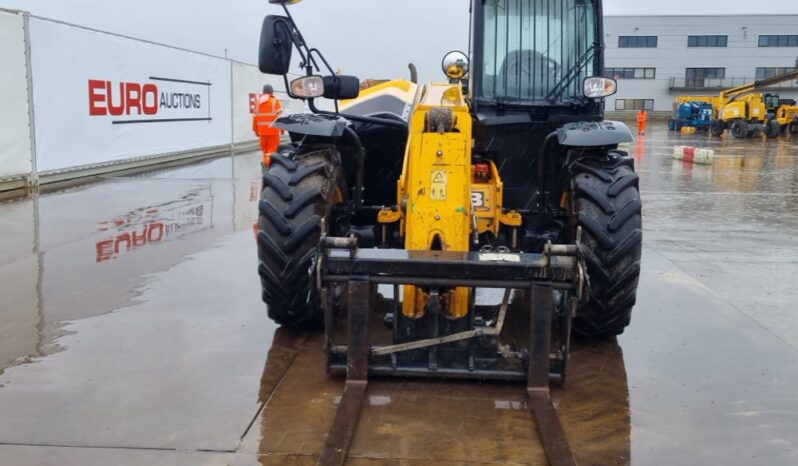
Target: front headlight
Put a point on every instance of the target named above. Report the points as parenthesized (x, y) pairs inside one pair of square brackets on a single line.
[(308, 87), (596, 87)]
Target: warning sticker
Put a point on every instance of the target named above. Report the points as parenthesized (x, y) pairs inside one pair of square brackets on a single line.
[(438, 188)]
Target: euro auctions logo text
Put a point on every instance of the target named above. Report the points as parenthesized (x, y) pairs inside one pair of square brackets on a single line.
[(161, 100)]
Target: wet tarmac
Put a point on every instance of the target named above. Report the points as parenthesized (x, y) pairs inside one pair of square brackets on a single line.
[(132, 332)]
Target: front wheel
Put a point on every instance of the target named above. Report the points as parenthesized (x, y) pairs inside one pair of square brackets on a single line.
[(772, 129), (717, 128), (606, 205), (299, 190), (739, 129)]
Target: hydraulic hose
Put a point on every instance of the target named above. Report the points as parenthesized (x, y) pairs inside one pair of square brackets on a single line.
[(361, 165), (542, 168)]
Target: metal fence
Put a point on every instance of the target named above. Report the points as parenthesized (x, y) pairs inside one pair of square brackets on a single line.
[(679, 84)]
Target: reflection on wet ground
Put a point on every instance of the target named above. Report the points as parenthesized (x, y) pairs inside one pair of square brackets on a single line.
[(440, 422), (131, 332)]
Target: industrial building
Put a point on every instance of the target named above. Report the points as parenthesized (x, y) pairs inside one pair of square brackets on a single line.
[(656, 58)]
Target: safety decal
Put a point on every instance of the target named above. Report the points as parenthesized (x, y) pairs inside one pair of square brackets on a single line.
[(438, 188)]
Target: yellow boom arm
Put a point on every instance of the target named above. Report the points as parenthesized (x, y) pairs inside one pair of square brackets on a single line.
[(736, 91)]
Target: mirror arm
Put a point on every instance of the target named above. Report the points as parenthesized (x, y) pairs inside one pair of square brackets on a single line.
[(288, 88), (299, 41), (329, 68), (313, 108), (288, 28), (324, 60)]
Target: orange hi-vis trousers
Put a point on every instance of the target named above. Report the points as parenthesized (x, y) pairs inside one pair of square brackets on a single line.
[(269, 109)]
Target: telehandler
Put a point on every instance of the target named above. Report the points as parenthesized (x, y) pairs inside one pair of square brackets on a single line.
[(505, 176)]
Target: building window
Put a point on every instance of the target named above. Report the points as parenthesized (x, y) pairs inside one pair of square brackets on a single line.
[(637, 41), (762, 73), (705, 73), (630, 73), (695, 77), (778, 41), (707, 41), (634, 104)]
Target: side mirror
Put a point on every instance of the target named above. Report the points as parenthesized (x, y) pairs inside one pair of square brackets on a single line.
[(274, 55), (455, 65), (341, 87)]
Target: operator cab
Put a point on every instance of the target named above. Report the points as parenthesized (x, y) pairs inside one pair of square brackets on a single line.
[(537, 66), (772, 102), (535, 52)]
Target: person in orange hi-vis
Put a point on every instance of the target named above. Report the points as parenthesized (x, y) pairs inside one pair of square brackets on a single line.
[(642, 119), (269, 109)]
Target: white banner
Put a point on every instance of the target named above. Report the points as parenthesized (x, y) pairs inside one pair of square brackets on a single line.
[(101, 98), (15, 149)]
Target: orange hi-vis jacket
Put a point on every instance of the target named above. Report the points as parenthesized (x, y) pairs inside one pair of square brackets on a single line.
[(269, 108), (642, 118)]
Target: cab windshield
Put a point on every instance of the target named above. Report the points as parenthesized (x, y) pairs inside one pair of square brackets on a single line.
[(536, 50)]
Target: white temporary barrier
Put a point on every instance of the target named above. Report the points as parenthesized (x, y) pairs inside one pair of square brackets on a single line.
[(77, 102), (101, 98), (694, 155), (15, 137)]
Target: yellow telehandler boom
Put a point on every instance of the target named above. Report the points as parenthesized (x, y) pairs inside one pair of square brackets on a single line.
[(747, 113), (733, 92)]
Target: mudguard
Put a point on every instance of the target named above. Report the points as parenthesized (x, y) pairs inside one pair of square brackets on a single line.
[(312, 124), (593, 134)]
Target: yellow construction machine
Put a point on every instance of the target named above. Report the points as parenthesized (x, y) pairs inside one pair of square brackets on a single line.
[(786, 116), (747, 113), (504, 176)]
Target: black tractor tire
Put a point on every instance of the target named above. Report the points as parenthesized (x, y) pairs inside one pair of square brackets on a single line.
[(739, 129), (607, 206), (772, 129), (299, 189), (717, 128)]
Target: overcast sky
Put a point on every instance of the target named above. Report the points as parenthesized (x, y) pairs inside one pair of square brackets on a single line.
[(368, 38)]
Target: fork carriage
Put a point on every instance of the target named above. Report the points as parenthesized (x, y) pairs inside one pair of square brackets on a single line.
[(483, 345)]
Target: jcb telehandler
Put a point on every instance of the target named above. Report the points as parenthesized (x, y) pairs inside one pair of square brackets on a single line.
[(503, 177)]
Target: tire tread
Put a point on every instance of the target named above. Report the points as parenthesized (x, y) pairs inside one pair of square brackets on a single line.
[(297, 193), (608, 208)]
